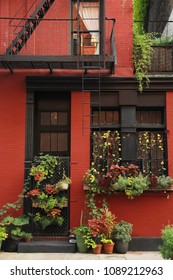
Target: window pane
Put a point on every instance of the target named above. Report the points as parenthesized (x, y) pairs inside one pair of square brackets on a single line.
[(106, 149), (149, 117), (150, 149), (62, 142), (45, 142), (45, 118), (62, 118), (95, 118), (54, 142), (107, 118), (54, 118)]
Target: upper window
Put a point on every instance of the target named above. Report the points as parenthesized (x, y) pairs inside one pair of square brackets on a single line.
[(105, 117), (86, 33)]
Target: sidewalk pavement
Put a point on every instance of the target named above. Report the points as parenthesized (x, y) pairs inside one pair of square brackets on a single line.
[(82, 256)]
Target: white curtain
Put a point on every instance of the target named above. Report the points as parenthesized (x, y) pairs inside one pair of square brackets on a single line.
[(89, 13)]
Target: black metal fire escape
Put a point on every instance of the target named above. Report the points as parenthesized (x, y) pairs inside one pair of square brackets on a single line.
[(29, 27)]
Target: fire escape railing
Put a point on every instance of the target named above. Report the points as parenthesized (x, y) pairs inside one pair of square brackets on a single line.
[(49, 37)]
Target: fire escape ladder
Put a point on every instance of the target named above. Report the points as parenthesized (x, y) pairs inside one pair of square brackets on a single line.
[(30, 25), (90, 84)]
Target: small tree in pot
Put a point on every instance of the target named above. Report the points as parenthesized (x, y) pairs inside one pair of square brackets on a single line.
[(122, 235)]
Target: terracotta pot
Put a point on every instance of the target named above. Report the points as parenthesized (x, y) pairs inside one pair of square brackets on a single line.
[(98, 249), (108, 248), (27, 240)]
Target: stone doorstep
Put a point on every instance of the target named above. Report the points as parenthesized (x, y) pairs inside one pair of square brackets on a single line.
[(43, 246)]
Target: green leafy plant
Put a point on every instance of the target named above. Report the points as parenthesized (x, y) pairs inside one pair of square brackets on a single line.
[(166, 249), (105, 240), (81, 230), (43, 167), (53, 217), (14, 226), (142, 43), (163, 41), (122, 231), (3, 234), (164, 181)]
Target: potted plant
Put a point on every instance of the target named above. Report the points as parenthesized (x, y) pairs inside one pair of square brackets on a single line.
[(3, 235), (43, 167), (15, 231), (108, 245), (28, 237), (164, 181), (81, 232), (93, 242), (122, 235), (102, 226), (129, 180), (166, 249), (90, 179), (64, 183)]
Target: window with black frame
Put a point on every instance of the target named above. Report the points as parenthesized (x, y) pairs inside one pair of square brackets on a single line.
[(110, 145), (151, 141)]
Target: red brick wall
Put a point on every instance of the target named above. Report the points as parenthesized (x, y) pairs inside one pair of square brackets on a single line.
[(80, 152), (169, 122), (12, 136), (122, 12)]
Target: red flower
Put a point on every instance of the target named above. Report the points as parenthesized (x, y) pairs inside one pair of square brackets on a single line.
[(54, 212), (50, 189), (34, 192)]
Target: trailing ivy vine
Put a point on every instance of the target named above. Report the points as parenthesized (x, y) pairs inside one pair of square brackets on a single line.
[(142, 42)]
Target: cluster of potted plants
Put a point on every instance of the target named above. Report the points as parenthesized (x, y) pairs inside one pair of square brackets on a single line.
[(102, 234), (127, 179)]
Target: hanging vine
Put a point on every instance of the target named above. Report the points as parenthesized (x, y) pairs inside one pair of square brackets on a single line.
[(142, 43)]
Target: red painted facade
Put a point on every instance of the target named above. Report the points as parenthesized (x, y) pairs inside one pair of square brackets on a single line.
[(149, 212)]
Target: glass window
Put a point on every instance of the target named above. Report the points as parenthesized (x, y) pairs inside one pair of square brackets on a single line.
[(151, 142), (87, 26), (54, 142)]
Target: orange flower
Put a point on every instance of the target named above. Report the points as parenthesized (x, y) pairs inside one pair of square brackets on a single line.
[(54, 212)]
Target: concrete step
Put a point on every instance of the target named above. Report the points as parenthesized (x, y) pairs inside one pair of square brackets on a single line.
[(43, 246)]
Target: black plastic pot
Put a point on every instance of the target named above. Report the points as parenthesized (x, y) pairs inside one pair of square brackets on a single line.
[(121, 247), (10, 245)]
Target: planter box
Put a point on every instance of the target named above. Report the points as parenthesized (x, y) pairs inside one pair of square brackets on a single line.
[(86, 187), (162, 59)]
